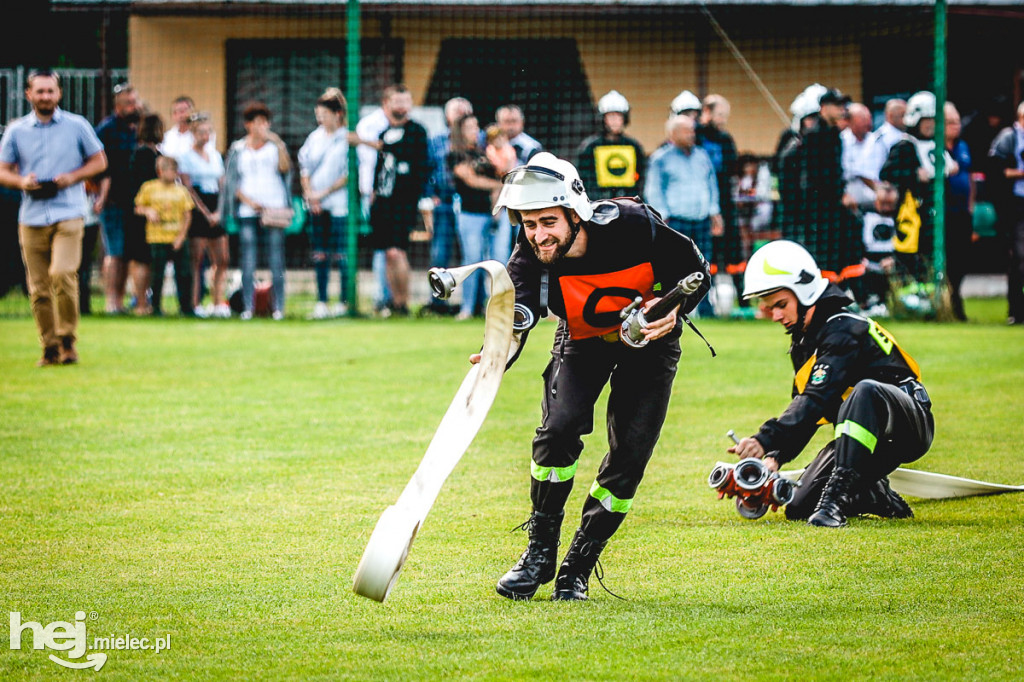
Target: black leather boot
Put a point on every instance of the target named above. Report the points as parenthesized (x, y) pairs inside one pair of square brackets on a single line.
[(574, 573), (878, 499), (835, 500), (536, 566)]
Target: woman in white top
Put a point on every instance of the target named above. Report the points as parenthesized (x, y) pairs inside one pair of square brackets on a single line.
[(178, 139), (323, 171), (202, 171), (258, 178)]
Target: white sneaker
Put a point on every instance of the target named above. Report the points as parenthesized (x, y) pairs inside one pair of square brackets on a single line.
[(319, 311), (278, 315), (222, 310), (246, 315), (202, 311), (339, 310)]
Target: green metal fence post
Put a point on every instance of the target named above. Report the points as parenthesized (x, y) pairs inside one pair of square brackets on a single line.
[(353, 77), (939, 183)]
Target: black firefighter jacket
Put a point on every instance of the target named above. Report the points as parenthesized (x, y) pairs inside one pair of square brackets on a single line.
[(837, 350)]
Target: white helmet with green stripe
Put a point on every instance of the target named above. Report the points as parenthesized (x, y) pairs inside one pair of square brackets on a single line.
[(783, 264)]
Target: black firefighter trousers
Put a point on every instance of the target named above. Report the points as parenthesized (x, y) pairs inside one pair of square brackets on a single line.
[(879, 427), (641, 384)]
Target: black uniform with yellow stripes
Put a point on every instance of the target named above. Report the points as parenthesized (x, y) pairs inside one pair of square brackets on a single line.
[(850, 373), (630, 253)]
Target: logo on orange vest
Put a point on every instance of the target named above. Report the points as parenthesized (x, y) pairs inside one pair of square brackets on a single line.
[(593, 302)]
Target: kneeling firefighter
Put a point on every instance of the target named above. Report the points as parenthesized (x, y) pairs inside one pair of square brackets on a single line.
[(584, 262), (850, 372)]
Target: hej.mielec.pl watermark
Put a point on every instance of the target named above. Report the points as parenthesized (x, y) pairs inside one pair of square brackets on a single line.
[(72, 638)]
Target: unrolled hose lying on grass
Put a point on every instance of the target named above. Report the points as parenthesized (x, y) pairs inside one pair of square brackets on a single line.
[(930, 486)]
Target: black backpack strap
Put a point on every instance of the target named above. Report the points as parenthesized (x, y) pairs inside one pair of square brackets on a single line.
[(653, 218), (696, 331)]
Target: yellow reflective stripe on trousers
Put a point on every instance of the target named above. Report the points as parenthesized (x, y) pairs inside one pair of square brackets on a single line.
[(858, 433), (609, 501), (553, 474)]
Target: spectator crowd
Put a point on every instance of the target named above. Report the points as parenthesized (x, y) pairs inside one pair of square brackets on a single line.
[(858, 197)]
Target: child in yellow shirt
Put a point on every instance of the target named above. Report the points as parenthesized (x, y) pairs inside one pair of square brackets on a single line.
[(167, 207)]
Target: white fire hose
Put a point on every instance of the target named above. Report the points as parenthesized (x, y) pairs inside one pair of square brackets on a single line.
[(389, 544), (931, 486)]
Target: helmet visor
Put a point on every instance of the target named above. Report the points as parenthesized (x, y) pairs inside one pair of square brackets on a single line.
[(531, 187)]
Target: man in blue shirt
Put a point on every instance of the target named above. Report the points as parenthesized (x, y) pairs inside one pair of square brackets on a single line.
[(681, 185), (442, 191), (47, 155)]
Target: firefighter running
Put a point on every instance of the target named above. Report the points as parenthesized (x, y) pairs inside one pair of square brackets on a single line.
[(584, 262)]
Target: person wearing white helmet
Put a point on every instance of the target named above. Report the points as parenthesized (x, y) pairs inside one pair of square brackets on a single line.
[(812, 191), (804, 110), (849, 373), (788, 216), (806, 104), (610, 162), (910, 167), (584, 263), (686, 103)]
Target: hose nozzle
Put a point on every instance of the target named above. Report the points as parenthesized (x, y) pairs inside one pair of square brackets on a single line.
[(442, 283)]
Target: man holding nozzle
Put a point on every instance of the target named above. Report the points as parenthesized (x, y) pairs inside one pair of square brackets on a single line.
[(585, 262), (850, 372)]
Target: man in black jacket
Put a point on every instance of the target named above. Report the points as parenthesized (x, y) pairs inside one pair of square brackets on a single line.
[(584, 263), (850, 372)]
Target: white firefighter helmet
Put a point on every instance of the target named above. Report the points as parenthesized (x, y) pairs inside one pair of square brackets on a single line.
[(920, 105), (783, 264), (806, 103), (685, 101), (613, 102), (543, 182)]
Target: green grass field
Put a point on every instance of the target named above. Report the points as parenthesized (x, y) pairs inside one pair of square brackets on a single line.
[(217, 481)]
